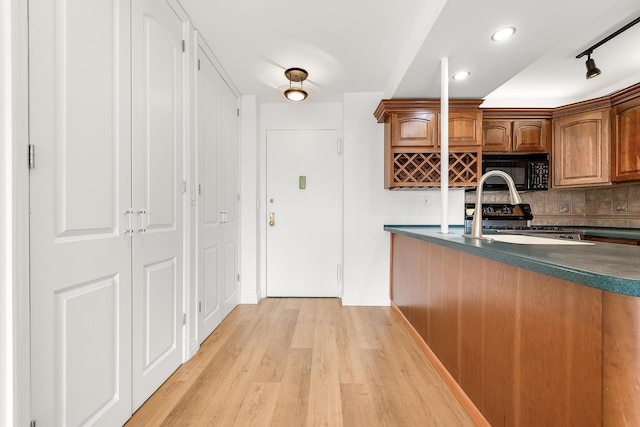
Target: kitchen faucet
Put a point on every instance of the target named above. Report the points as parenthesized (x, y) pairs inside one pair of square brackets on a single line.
[(476, 225)]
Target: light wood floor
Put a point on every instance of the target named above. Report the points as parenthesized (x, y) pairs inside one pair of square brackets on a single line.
[(305, 362)]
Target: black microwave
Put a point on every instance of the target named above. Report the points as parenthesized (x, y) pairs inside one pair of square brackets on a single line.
[(529, 171)]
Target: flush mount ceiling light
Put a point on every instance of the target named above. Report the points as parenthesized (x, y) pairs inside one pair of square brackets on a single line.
[(296, 92), (461, 75), (503, 33), (592, 70)]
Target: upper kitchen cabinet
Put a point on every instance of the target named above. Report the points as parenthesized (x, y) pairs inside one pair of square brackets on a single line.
[(517, 131), (412, 142), (581, 144), (465, 126), (625, 135), (414, 129)]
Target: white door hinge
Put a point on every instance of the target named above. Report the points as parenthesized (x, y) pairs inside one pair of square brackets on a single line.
[(339, 271), (238, 277), (238, 111), (184, 47), (32, 156), (184, 186), (339, 146), (184, 318), (199, 307), (198, 65)]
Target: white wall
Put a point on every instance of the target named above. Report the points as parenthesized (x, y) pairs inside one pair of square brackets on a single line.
[(250, 292), (14, 215), (368, 206)]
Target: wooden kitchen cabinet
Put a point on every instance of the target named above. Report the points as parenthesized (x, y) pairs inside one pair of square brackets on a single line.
[(415, 129), (516, 131), (581, 144), (625, 137), (465, 128), (412, 142)]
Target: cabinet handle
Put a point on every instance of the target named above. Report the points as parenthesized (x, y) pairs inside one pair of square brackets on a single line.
[(272, 219), (142, 228), (129, 213)]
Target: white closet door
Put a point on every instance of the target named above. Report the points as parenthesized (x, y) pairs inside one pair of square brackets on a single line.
[(230, 227), (217, 212), (209, 152), (157, 67), (80, 189)]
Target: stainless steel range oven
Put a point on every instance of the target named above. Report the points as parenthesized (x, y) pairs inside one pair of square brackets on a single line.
[(514, 219)]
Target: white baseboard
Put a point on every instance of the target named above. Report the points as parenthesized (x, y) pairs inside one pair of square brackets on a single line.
[(367, 300)]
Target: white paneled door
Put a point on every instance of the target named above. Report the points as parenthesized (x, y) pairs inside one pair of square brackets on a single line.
[(80, 264), (304, 205), (106, 261), (217, 201), (157, 195)]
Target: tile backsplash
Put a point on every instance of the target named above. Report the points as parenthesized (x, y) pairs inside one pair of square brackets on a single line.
[(616, 206)]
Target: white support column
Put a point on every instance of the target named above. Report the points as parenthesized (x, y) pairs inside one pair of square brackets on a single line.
[(444, 145)]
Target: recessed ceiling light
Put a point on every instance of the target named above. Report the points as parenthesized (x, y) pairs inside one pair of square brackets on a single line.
[(503, 33), (461, 75)]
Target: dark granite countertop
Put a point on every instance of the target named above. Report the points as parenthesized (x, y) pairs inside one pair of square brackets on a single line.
[(606, 266)]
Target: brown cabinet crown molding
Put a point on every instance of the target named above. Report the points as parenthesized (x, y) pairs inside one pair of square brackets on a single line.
[(517, 113), (582, 107), (625, 94), (388, 106)]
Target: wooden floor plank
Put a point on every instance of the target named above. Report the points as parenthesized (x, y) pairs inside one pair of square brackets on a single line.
[(297, 362)]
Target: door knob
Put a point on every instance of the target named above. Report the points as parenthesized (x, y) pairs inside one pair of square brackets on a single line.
[(272, 219)]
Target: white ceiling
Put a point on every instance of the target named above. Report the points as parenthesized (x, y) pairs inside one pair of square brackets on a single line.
[(395, 47)]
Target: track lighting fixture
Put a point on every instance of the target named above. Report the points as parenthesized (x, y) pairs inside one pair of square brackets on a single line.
[(592, 70)]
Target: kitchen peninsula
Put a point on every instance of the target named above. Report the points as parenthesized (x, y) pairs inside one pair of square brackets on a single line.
[(532, 334)]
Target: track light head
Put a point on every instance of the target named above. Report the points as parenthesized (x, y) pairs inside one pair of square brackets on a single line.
[(592, 70)]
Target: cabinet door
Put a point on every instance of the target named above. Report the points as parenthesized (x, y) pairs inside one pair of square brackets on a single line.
[(581, 149), (80, 194), (414, 129), (626, 141), (465, 128), (530, 136), (157, 198), (496, 136)]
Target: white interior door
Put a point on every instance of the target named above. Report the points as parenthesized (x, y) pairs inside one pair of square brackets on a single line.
[(217, 218), (157, 169), (230, 227), (304, 205), (80, 189)]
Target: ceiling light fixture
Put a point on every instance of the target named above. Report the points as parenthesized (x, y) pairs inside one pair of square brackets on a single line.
[(461, 75), (503, 33), (592, 70), (296, 92)]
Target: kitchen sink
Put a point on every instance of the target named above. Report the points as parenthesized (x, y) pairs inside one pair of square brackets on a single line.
[(521, 239)]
